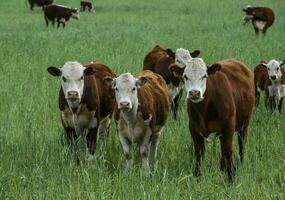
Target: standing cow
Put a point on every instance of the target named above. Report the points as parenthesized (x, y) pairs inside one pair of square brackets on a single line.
[(86, 105), (220, 102), (40, 3), (85, 5), (141, 112), (261, 18), (59, 14)]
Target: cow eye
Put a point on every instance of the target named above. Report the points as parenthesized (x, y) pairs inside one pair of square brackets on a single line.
[(277, 69), (116, 89), (81, 78), (205, 76), (185, 77), (64, 79), (134, 89)]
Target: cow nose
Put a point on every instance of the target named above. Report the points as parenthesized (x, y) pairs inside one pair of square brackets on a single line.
[(194, 94), (124, 104), (72, 94), (273, 77)]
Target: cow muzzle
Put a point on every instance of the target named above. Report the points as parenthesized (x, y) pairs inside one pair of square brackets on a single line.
[(125, 105), (195, 96), (72, 96), (273, 78)]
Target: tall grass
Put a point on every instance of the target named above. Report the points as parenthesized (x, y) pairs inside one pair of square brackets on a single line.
[(34, 162)]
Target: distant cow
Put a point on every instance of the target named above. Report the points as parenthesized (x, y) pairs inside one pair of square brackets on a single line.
[(39, 3), (158, 60), (260, 80), (85, 103), (261, 18), (59, 14), (220, 102), (141, 112), (275, 84), (85, 5)]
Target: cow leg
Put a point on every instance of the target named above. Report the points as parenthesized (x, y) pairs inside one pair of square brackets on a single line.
[(242, 136), (91, 142), (126, 144), (31, 6), (63, 24), (264, 31), (103, 131), (199, 148), (280, 105), (266, 101), (153, 147), (227, 149), (257, 96), (58, 23), (144, 149), (175, 104), (46, 21), (256, 30)]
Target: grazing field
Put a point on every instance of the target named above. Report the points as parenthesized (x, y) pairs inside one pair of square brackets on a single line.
[(34, 161)]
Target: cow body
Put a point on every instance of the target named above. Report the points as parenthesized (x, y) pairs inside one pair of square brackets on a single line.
[(159, 60), (85, 5), (261, 18), (261, 80), (220, 102), (80, 100), (142, 111), (59, 14), (40, 3)]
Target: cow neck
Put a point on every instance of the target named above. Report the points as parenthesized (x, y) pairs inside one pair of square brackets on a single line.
[(130, 116)]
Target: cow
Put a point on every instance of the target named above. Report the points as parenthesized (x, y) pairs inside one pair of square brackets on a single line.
[(141, 112), (220, 102), (40, 3), (261, 79), (85, 5), (158, 60), (261, 18), (275, 83), (85, 103), (59, 14)]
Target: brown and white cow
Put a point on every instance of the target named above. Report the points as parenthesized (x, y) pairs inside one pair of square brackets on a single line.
[(159, 60), (40, 3), (59, 14), (84, 5), (141, 112), (275, 83), (220, 102), (261, 18), (85, 103)]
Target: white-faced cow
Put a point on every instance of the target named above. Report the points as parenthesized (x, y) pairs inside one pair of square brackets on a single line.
[(275, 84), (159, 60), (141, 112), (86, 104), (261, 17), (220, 102)]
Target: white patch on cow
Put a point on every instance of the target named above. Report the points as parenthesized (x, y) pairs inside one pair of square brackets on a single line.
[(247, 17), (173, 91), (259, 24), (210, 138), (75, 15), (195, 78), (90, 157), (182, 56)]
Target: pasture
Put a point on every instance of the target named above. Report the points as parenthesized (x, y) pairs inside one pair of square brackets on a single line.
[(34, 162)]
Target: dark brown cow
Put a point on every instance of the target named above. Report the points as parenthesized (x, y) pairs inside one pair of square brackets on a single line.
[(39, 3), (85, 5), (220, 102), (261, 79), (158, 60), (141, 113), (86, 104), (59, 14), (261, 18)]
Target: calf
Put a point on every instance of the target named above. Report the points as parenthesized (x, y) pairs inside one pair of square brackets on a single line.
[(142, 111), (159, 60), (220, 102), (40, 3), (275, 84), (81, 101), (261, 18), (85, 5), (59, 14), (260, 80)]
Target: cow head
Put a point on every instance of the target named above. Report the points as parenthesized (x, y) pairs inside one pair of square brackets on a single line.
[(195, 76), (182, 56), (125, 87), (274, 69), (72, 81), (75, 13)]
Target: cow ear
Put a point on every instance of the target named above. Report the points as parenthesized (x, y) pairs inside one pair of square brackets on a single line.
[(195, 54), (54, 71), (176, 71), (244, 10), (89, 71), (263, 65), (109, 81), (282, 63), (170, 53), (141, 81), (214, 68)]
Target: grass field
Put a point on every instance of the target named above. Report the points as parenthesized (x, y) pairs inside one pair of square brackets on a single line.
[(34, 162)]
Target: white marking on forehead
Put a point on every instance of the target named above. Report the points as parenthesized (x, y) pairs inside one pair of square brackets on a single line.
[(273, 64), (126, 78), (72, 67), (183, 53), (196, 64)]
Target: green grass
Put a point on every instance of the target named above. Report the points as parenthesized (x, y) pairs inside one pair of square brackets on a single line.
[(35, 165)]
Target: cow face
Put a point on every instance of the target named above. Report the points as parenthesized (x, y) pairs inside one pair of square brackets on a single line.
[(249, 13), (274, 69), (125, 87), (75, 14), (72, 81), (182, 56), (195, 76)]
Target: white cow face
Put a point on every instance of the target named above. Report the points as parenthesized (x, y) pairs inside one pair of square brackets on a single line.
[(182, 56), (125, 87), (195, 76), (72, 81), (274, 69), (75, 14)]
